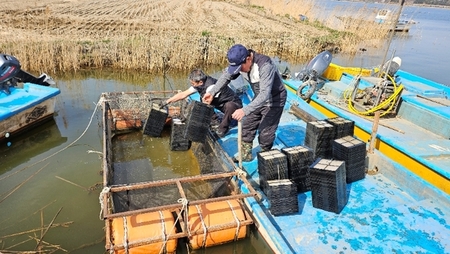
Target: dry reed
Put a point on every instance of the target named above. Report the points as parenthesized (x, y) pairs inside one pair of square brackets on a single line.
[(150, 35)]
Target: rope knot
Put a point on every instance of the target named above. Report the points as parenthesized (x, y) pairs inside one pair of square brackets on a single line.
[(104, 191), (183, 201), (241, 173)]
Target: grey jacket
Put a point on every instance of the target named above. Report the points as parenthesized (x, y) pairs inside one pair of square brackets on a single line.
[(265, 81)]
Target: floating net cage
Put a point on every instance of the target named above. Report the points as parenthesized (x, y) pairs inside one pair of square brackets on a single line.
[(131, 110), (204, 209)]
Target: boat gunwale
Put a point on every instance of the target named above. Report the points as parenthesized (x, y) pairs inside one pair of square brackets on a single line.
[(47, 93), (421, 167)]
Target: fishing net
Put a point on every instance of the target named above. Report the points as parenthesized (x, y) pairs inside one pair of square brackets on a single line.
[(131, 110)]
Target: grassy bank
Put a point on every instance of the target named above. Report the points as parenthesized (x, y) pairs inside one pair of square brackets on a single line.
[(150, 35)]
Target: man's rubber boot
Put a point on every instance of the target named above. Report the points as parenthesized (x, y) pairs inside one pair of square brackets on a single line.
[(265, 149)]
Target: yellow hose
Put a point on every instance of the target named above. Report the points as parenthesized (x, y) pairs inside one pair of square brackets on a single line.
[(385, 103)]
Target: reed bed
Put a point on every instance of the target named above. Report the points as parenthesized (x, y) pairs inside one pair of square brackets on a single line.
[(153, 35)]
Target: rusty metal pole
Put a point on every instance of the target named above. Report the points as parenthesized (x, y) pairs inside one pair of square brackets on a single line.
[(391, 36), (240, 144), (373, 135)]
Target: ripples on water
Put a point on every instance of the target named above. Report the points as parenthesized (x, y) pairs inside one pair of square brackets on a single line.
[(423, 50)]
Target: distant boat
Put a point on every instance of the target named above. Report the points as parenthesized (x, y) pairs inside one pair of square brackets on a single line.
[(386, 16), (25, 100)]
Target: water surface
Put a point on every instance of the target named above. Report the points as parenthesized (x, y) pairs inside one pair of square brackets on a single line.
[(56, 167)]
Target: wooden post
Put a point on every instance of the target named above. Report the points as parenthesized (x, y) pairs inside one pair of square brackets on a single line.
[(373, 135), (240, 144)]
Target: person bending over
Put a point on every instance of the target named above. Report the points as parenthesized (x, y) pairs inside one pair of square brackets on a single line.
[(263, 113), (225, 99)]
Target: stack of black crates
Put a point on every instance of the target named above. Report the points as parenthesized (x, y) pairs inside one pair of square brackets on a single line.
[(328, 185), (299, 160), (353, 152), (274, 181), (198, 119), (342, 127), (319, 135), (155, 121), (272, 165), (282, 196)]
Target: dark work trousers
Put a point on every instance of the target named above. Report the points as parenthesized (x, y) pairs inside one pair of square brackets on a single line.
[(227, 109), (265, 120)]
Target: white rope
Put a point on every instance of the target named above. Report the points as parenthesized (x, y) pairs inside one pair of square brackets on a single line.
[(199, 212), (125, 235), (185, 203), (241, 172), (278, 169), (64, 148), (100, 199), (163, 230), (237, 221), (92, 151)]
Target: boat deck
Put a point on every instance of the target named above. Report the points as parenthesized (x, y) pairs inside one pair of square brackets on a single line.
[(418, 138), (391, 211)]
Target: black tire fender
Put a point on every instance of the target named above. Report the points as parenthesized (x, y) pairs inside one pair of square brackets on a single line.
[(311, 88)]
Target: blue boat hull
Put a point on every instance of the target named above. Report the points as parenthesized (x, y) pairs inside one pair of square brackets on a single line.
[(25, 107), (418, 138), (394, 210)]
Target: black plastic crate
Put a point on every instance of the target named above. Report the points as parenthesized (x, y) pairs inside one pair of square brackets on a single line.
[(328, 185), (319, 135), (282, 197), (353, 152), (177, 140), (155, 121), (272, 165), (342, 127), (198, 120), (299, 160)]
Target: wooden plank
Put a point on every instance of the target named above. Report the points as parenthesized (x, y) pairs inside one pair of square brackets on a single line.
[(302, 114)]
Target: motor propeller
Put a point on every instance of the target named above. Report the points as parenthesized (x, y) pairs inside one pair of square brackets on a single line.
[(311, 73)]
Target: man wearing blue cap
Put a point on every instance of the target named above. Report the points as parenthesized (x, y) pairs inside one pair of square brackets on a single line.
[(264, 112)]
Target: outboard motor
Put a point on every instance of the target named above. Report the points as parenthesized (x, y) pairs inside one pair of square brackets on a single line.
[(11, 73), (311, 73), (391, 67), (9, 68)]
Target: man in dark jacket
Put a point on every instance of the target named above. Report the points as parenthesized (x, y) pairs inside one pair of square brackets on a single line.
[(225, 100), (264, 112)]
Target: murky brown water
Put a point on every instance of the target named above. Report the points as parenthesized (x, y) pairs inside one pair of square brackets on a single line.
[(52, 173)]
